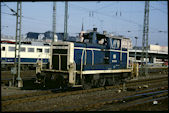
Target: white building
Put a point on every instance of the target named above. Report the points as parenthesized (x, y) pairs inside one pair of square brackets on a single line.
[(158, 48)]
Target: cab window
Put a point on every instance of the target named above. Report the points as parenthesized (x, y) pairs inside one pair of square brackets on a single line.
[(115, 44), (39, 50), (3, 48)]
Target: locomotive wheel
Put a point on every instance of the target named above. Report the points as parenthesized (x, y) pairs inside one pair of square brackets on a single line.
[(102, 82), (95, 83), (41, 78), (87, 86), (86, 82), (64, 85), (110, 81)]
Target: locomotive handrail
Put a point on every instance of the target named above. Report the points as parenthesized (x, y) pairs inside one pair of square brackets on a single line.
[(121, 53), (81, 64), (92, 57)]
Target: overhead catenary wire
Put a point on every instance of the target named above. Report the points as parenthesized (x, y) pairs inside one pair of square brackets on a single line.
[(22, 15), (154, 8), (104, 7), (30, 18), (81, 8), (110, 16), (104, 14), (10, 8), (37, 21), (72, 5), (96, 11)]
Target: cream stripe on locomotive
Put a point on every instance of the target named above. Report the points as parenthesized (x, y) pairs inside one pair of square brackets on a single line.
[(100, 49), (105, 71)]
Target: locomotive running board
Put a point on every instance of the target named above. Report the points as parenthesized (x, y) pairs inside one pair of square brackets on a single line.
[(52, 70), (77, 85), (105, 71)]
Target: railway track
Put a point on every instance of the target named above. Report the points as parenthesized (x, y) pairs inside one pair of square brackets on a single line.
[(141, 98), (116, 102), (162, 103), (24, 74), (128, 84), (6, 76), (44, 95)]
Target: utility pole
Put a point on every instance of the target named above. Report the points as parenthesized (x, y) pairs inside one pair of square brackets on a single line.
[(17, 47), (54, 21), (135, 48), (65, 20), (145, 39), (0, 17)]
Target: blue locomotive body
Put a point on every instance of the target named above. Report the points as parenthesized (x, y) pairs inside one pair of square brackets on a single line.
[(103, 58), (97, 60)]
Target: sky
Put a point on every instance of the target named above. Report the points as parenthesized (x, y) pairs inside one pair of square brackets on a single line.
[(118, 17)]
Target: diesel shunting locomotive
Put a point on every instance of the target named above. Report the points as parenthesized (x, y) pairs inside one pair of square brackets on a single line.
[(96, 61)]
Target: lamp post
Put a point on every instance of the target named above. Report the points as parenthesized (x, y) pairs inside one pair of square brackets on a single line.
[(65, 20), (135, 47)]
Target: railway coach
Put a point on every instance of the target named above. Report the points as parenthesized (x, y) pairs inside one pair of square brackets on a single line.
[(97, 61), (29, 54)]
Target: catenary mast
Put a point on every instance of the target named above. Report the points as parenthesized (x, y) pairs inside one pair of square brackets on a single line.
[(145, 39)]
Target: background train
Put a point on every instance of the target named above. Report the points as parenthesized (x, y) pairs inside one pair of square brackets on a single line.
[(30, 54), (96, 61)]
